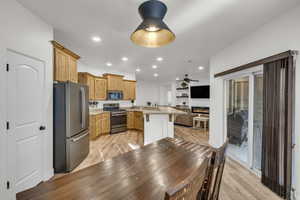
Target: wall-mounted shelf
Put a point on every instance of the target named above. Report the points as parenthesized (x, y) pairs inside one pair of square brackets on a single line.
[(185, 88), (182, 97)]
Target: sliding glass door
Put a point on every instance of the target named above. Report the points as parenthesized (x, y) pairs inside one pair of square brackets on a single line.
[(237, 118), (257, 121), (244, 114)]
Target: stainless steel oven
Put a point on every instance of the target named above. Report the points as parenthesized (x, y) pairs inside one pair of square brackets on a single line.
[(118, 121), (118, 118)]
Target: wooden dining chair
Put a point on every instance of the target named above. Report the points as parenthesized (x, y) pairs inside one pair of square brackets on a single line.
[(190, 187), (212, 184)]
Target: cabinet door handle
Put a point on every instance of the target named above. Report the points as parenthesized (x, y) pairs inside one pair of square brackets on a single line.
[(42, 128)]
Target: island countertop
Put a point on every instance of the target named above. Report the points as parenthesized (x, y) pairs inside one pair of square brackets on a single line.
[(155, 110)]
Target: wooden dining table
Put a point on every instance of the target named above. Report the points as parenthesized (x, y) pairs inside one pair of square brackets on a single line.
[(142, 174)]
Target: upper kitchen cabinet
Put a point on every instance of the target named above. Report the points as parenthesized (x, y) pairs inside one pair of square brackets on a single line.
[(129, 90), (65, 63), (97, 85), (100, 88), (89, 80), (73, 75), (114, 82)]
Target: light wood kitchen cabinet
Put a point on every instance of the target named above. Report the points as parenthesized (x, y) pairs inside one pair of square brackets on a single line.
[(99, 125), (100, 88), (65, 63), (129, 90), (105, 128), (114, 82), (135, 120), (97, 85), (89, 80), (73, 75), (95, 125), (139, 121), (60, 65), (130, 120), (133, 90)]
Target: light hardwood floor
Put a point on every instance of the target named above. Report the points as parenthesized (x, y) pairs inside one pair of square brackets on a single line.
[(238, 183)]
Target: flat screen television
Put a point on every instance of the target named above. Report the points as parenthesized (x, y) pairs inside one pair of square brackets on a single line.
[(200, 92)]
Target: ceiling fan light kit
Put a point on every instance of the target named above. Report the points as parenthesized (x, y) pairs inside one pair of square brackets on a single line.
[(152, 32), (187, 80)]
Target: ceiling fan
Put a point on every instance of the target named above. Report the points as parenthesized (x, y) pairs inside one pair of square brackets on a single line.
[(187, 79)]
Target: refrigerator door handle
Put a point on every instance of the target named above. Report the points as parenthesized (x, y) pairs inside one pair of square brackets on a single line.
[(83, 109), (79, 138)]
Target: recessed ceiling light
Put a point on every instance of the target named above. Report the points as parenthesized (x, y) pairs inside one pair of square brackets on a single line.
[(159, 59), (138, 70), (154, 66), (124, 58), (200, 68), (96, 39), (155, 75), (109, 64), (177, 79)]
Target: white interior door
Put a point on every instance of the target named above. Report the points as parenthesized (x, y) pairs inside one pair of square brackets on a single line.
[(25, 85)]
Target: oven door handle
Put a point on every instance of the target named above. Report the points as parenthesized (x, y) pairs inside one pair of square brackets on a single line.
[(116, 115)]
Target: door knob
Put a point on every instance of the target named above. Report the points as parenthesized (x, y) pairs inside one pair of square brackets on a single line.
[(42, 128)]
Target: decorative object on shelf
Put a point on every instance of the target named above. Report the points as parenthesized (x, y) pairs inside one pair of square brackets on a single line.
[(184, 103), (184, 84), (152, 32), (148, 103)]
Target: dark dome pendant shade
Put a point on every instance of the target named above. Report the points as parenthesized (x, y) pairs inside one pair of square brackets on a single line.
[(152, 32)]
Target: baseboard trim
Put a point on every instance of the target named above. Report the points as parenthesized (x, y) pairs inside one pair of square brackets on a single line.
[(49, 174)]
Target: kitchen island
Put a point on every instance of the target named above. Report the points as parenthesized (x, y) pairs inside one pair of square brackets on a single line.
[(158, 122)]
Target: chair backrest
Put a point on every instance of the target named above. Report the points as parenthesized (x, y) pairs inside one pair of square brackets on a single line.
[(215, 170), (190, 187)]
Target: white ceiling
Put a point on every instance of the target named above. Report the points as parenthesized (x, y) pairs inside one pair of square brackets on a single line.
[(202, 27)]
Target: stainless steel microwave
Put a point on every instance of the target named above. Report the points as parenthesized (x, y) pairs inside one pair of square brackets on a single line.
[(115, 95)]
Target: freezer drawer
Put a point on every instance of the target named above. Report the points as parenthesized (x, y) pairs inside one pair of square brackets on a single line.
[(78, 148)]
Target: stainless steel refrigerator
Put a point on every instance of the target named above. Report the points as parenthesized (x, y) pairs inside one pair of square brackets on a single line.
[(71, 122)]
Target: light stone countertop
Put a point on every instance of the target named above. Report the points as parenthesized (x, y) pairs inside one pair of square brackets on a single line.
[(97, 111), (156, 110), (144, 110)]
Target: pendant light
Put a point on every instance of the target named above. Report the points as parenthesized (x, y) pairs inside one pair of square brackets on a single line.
[(152, 32)]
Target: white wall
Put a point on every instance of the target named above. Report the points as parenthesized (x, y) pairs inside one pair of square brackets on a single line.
[(23, 32), (147, 91), (97, 71), (280, 35)]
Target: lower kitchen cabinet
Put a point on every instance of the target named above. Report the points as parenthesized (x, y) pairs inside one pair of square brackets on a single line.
[(99, 125), (135, 120), (130, 120), (139, 121), (105, 122)]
